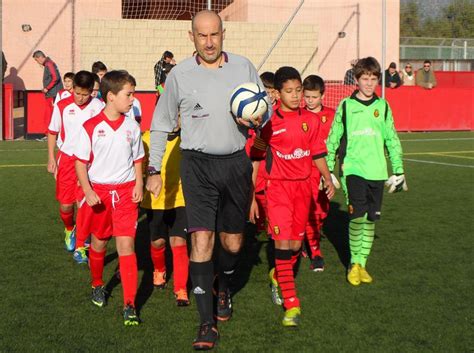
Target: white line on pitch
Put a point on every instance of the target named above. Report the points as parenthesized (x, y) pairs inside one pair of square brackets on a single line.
[(439, 163), (448, 139), (25, 150)]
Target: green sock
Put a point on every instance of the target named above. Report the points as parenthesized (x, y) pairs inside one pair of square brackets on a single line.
[(367, 241), (356, 232)]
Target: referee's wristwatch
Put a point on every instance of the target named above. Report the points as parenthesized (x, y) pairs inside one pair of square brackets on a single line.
[(152, 171)]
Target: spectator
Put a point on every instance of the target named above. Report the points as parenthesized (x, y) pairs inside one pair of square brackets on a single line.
[(349, 78), (407, 76), (160, 74), (52, 84), (425, 77), (392, 78)]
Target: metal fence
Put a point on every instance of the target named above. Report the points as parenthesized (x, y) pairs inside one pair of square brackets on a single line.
[(412, 48)]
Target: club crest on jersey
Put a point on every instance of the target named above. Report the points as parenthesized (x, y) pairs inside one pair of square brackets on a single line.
[(351, 209), (101, 133), (305, 127), (276, 230), (324, 119), (376, 113)]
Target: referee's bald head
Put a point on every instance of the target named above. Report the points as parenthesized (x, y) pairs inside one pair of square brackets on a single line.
[(205, 15)]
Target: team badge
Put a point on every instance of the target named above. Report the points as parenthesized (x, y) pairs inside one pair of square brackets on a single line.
[(324, 119), (376, 113), (351, 209), (276, 230), (305, 127)]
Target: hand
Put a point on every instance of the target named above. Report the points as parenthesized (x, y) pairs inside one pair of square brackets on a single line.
[(52, 167), (329, 186), (396, 183), (137, 194), (45, 90), (254, 214), (153, 184), (252, 123), (92, 198), (430, 85)]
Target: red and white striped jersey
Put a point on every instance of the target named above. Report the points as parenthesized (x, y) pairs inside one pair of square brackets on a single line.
[(110, 148), (62, 94), (67, 120)]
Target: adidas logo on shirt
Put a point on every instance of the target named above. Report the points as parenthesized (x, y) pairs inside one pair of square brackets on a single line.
[(199, 290), (197, 107)]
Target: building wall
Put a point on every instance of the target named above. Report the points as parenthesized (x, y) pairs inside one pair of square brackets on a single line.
[(136, 45), (75, 36), (55, 26)]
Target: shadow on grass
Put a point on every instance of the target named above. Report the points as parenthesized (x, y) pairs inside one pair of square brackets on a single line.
[(335, 230)]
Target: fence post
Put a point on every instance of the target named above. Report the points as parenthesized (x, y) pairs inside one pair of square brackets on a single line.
[(8, 123)]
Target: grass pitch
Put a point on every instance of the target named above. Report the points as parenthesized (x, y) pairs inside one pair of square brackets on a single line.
[(420, 301)]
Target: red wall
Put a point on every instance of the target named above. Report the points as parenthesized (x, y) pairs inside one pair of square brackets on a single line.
[(449, 106)]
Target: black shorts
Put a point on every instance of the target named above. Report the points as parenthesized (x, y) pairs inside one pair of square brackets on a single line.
[(166, 223), (364, 196), (216, 190)]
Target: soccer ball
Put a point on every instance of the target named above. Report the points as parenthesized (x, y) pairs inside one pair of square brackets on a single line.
[(248, 100)]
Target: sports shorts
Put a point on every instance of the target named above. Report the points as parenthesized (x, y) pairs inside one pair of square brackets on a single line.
[(166, 223), (288, 203), (66, 179), (217, 191), (116, 215), (364, 197)]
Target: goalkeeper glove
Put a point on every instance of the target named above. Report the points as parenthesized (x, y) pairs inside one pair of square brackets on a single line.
[(334, 180), (396, 183)]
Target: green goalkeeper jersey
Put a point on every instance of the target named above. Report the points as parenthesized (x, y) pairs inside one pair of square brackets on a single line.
[(361, 131)]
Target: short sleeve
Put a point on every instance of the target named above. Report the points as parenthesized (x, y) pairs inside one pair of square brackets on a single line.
[(55, 123), (138, 151), (83, 149), (318, 146)]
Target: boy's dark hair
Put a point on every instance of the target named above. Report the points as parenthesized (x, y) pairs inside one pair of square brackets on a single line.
[(367, 66), (268, 79), (113, 81), (284, 74), (167, 68), (69, 75), (427, 62), (96, 78), (167, 54), (98, 66), (314, 83), (84, 79)]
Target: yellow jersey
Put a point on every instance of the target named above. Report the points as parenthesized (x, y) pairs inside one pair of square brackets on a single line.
[(171, 194)]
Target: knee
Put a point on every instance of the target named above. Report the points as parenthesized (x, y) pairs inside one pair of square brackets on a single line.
[(232, 247), (66, 208)]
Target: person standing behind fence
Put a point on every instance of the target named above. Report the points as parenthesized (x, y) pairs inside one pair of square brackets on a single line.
[(407, 75), (425, 76), (52, 83)]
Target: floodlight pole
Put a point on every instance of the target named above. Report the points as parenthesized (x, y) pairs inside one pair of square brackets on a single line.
[(384, 38)]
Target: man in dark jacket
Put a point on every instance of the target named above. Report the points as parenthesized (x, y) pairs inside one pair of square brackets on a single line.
[(51, 83), (392, 78)]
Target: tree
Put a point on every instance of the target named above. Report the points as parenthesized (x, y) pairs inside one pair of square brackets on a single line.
[(410, 22)]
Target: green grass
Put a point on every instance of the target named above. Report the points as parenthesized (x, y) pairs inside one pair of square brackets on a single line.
[(420, 301)]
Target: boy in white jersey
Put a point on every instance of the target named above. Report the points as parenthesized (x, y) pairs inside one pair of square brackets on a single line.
[(68, 82), (109, 168), (66, 121)]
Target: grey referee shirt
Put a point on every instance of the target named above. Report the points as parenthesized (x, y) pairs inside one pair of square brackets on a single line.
[(202, 97)]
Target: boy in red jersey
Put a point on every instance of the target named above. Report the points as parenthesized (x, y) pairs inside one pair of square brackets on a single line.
[(313, 93), (66, 121), (68, 81), (109, 167), (292, 135)]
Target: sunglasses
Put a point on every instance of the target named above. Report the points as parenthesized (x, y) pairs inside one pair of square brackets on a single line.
[(426, 65)]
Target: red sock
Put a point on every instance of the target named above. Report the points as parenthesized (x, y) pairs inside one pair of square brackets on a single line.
[(67, 218), (294, 258), (180, 266), (158, 258), (313, 236), (96, 265), (286, 279), (129, 277)]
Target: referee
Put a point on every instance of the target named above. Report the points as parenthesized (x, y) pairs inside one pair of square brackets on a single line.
[(215, 170)]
